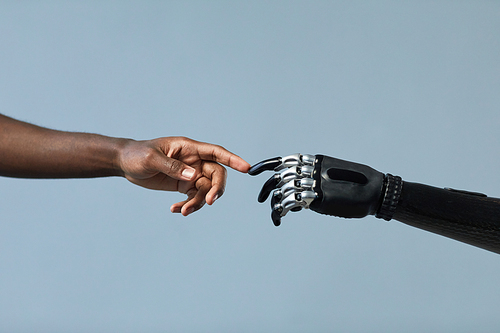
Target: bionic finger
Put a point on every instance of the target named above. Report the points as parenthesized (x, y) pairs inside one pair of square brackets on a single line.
[(296, 185), (284, 177), (294, 201), (269, 164), (280, 163)]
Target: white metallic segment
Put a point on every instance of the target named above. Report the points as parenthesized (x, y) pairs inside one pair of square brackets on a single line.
[(289, 161), (295, 200), (295, 160), (293, 185), (308, 159), (296, 185), (308, 197), (295, 172), (306, 183), (295, 188)]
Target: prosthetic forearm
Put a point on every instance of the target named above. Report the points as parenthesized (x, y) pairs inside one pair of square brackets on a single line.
[(340, 188)]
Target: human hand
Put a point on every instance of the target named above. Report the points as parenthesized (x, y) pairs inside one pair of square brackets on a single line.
[(326, 185), (180, 164)]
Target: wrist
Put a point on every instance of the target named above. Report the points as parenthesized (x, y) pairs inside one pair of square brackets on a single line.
[(122, 150), (391, 193)]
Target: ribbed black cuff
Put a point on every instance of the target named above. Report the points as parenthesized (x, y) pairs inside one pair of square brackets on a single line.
[(392, 193)]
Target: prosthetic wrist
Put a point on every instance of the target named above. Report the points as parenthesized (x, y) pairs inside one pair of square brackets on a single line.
[(328, 186)]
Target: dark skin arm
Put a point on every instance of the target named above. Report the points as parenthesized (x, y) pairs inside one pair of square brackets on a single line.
[(169, 164)]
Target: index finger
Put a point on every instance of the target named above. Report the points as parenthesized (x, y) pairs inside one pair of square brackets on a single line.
[(221, 155)]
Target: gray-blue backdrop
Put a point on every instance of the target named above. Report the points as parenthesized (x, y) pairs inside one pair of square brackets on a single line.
[(411, 88)]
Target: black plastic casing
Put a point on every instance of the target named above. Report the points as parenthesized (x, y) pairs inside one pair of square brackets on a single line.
[(468, 217), (346, 189)]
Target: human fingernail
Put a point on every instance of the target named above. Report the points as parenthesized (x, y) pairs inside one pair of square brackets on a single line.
[(189, 211), (215, 198), (187, 173)]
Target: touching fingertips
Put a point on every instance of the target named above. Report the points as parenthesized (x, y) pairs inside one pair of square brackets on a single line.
[(244, 167), (241, 165)]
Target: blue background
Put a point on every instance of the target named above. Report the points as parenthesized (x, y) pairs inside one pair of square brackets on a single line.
[(411, 88)]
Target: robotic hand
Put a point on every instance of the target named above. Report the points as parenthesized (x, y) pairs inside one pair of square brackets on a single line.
[(328, 186), (335, 187)]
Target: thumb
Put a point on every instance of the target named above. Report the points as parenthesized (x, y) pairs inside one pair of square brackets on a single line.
[(174, 168)]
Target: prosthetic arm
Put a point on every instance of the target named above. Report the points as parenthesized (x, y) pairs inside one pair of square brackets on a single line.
[(340, 188)]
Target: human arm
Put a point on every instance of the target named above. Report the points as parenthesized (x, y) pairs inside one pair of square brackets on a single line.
[(171, 163), (341, 188), (30, 151)]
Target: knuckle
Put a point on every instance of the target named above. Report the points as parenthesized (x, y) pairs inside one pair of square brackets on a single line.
[(218, 147), (184, 140), (203, 184), (223, 171), (199, 205), (216, 151), (149, 157), (219, 170)]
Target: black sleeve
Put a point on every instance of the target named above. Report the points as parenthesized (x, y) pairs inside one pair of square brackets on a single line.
[(467, 217)]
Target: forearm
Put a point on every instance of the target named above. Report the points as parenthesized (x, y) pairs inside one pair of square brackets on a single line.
[(464, 217), (29, 151)]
